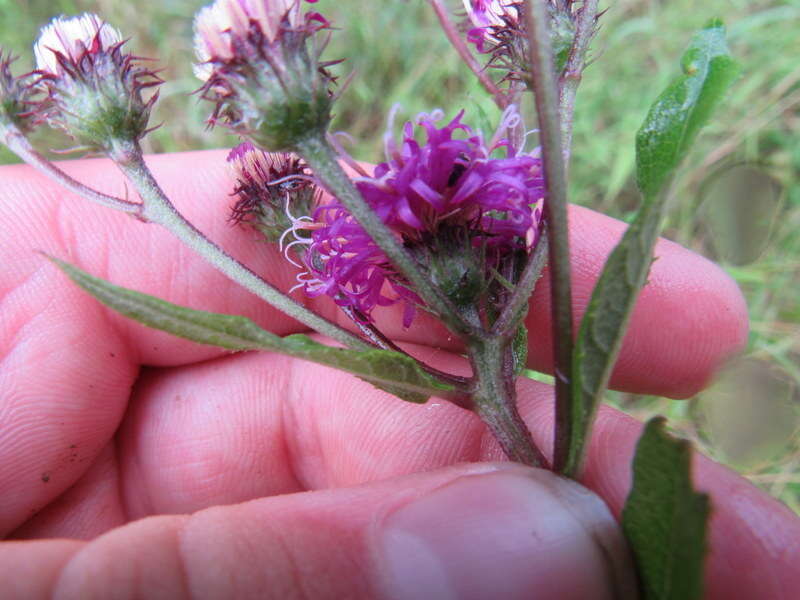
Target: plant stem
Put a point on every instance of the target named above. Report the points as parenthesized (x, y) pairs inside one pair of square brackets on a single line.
[(19, 145), (319, 155), (508, 321), (456, 39), (495, 400), (571, 77), (546, 95), (158, 209)]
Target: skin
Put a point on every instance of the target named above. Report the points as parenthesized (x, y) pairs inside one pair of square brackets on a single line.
[(104, 422)]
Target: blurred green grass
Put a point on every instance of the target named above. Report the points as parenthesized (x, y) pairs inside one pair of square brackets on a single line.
[(737, 200)]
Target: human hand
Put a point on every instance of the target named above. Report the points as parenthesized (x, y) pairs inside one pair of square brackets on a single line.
[(90, 439)]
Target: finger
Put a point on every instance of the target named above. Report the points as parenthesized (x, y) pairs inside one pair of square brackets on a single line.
[(64, 384), (67, 363), (467, 532), (327, 429), (30, 569), (690, 318), (753, 539), (214, 433), (90, 507)]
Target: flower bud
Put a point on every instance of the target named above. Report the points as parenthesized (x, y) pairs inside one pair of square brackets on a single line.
[(15, 97), (261, 71), (271, 188), (94, 88), (498, 29)]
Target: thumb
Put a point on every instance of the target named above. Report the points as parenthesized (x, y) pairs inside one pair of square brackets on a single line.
[(470, 531)]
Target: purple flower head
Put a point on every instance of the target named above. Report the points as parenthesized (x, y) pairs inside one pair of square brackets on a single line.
[(448, 200)]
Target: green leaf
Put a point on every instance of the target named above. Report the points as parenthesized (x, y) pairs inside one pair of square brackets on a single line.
[(671, 125), (684, 108), (665, 519), (391, 371)]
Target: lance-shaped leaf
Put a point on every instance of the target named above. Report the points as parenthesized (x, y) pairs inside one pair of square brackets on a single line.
[(683, 108), (665, 520), (391, 371), (662, 142)]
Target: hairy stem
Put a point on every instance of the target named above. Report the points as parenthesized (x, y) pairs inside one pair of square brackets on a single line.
[(495, 401), (546, 94), (157, 208), (508, 321), (323, 162), (456, 39), (16, 141), (573, 71)]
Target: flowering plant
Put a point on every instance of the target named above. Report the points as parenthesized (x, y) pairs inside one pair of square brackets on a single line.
[(455, 223)]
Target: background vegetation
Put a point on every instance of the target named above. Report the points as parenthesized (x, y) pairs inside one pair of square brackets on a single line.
[(737, 201)]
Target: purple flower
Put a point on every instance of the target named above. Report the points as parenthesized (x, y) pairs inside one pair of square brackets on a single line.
[(460, 211)]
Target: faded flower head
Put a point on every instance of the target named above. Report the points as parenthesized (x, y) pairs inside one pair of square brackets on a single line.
[(462, 214), (260, 70), (93, 87), (16, 97), (270, 188)]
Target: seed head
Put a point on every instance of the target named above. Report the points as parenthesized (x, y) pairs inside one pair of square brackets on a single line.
[(218, 26)]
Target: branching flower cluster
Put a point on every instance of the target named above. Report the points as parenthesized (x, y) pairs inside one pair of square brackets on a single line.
[(450, 223), (455, 222)]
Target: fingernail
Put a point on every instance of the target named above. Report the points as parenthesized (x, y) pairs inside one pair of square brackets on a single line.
[(514, 533)]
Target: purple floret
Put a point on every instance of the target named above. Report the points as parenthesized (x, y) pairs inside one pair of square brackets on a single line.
[(422, 189)]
